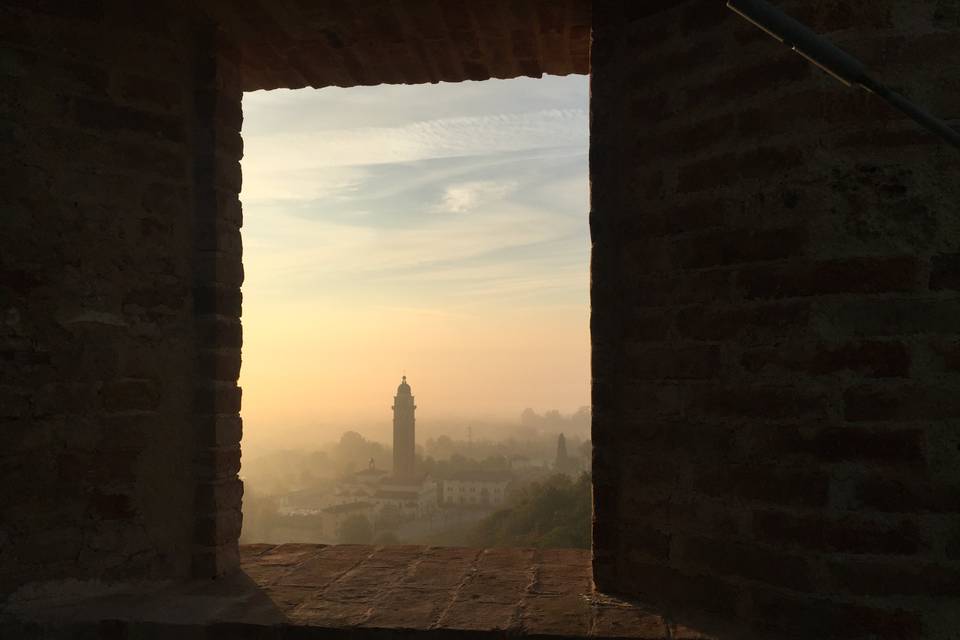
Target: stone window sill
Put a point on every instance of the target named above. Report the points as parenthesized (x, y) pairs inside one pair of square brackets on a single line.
[(423, 591)]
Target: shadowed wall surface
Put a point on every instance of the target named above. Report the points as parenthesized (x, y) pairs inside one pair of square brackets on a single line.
[(775, 276), (97, 339)]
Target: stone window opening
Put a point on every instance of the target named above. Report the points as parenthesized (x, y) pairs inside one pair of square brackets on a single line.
[(774, 282)]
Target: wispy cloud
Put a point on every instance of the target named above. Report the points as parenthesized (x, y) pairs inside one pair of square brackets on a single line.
[(468, 205), (441, 229), (467, 196)]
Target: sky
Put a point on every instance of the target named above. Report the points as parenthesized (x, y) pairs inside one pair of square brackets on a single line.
[(433, 231)]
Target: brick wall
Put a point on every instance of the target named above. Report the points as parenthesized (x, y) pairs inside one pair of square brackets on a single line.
[(113, 174), (776, 287), (775, 294)]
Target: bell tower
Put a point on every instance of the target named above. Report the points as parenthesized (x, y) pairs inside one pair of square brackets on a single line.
[(404, 433)]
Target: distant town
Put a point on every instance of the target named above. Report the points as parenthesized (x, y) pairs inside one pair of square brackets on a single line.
[(529, 489)]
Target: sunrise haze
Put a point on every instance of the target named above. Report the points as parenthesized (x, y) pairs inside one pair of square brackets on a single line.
[(437, 231)]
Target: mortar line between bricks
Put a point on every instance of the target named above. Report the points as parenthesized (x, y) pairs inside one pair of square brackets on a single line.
[(468, 575), (389, 587), (517, 620), (323, 592)]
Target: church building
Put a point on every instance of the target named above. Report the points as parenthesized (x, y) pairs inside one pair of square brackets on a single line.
[(405, 492)]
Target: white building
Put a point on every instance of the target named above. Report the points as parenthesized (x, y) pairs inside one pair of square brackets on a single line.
[(414, 496), (487, 488)]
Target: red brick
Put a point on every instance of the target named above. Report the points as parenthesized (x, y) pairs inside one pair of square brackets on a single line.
[(769, 484), (223, 527), (223, 495), (852, 275), (647, 399), (700, 214), (680, 362), (945, 272), (902, 447), (735, 168), (729, 247), (223, 237), (220, 364), (893, 316), (850, 533), (891, 494), (768, 76), (701, 286), (867, 358), (723, 557), (220, 463), (810, 107), (215, 299), (755, 401), (219, 398), (108, 117), (886, 577), (150, 92), (219, 332), (763, 323), (680, 142), (130, 394), (653, 326), (660, 585), (901, 402), (777, 612), (111, 506)]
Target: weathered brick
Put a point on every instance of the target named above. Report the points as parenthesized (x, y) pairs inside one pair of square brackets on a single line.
[(763, 402), (687, 362), (746, 560), (662, 585), (111, 506), (903, 447), (870, 358), (849, 533), (219, 463), (216, 299), (213, 496), (221, 527), (105, 116), (220, 364), (890, 577), (219, 332), (945, 272), (892, 494), (892, 317), (130, 394), (740, 247), (732, 168), (150, 92), (900, 402), (778, 612), (852, 275), (217, 398), (763, 323), (773, 485)]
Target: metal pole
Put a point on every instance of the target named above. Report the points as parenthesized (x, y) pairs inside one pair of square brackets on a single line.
[(834, 61)]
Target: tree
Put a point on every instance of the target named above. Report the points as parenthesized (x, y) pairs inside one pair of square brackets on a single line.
[(355, 529), (552, 514)]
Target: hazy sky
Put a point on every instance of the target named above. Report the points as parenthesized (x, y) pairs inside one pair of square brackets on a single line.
[(434, 230)]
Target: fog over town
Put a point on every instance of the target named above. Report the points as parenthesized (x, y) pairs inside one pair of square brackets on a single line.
[(432, 231)]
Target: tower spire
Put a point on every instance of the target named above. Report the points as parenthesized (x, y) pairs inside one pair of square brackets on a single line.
[(404, 431)]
